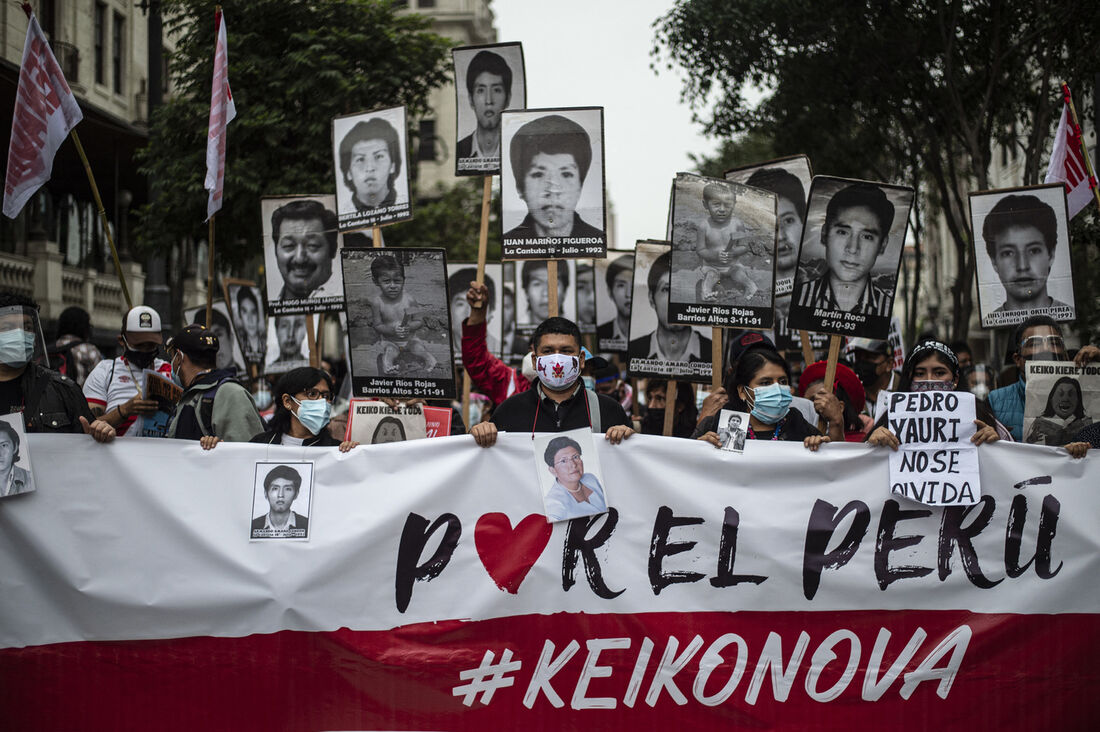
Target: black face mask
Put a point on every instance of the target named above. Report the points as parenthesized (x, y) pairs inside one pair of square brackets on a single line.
[(866, 371), (141, 359), (653, 423)]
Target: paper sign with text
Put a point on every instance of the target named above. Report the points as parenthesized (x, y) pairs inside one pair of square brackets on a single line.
[(437, 420), (936, 464)]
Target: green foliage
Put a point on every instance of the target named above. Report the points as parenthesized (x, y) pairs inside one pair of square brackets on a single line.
[(450, 219), (293, 66)]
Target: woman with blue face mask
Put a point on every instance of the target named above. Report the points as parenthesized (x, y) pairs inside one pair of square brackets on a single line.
[(303, 407), (760, 385)]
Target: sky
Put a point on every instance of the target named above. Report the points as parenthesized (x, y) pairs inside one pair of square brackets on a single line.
[(581, 53)]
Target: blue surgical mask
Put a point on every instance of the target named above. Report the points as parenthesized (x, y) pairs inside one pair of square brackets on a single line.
[(263, 399), (176, 375), (771, 403), (16, 348), (314, 414), (589, 382)]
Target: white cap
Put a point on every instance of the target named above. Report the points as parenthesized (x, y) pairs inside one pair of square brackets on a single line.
[(142, 319)]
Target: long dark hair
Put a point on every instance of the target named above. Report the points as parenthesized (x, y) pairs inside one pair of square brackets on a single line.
[(922, 351), (292, 382), (1080, 409), (748, 365)]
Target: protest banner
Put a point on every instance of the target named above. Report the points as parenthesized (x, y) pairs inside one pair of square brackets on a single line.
[(614, 279), (488, 80), (373, 422), (1021, 252), (161, 389), (1060, 398), (793, 591), (723, 253), (16, 477), (849, 257), (369, 152), (301, 243), (936, 463)]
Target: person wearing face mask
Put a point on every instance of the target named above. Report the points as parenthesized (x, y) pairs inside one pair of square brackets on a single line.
[(214, 406), (683, 421), (303, 408), (872, 361), (114, 389), (1036, 339), (933, 366), (488, 374), (978, 379), (49, 401), (760, 385), (559, 401)]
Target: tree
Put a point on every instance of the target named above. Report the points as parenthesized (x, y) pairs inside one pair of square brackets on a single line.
[(922, 93), (293, 66), (451, 218)]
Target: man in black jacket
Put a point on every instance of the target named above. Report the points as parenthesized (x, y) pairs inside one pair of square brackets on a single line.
[(559, 402)]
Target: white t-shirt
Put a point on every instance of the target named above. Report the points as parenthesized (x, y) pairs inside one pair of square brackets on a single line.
[(111, 384)]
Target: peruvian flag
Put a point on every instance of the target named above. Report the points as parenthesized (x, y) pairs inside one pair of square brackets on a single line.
[(1067, 161), (222, 112), (45, 112)]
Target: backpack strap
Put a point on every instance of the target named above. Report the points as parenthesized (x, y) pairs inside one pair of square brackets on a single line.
[(205, 412), (593, 410)]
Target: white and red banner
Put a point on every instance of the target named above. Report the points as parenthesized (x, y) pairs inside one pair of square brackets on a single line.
[(1067, 162), (778, 589), (45, 112), (222, 112)]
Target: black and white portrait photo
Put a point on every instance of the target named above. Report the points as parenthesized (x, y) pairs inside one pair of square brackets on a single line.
[(552, 184), (1021, 249), (586, 296), (571, 482), (373, 423), (1060, 399), (300, 255), (533, 295), (370, 162), (849, 257), (723, 253), (399, 323), (281, 501), (732, 430), (287, 343), (15, 460), (488, 80), (459, 278), (614, 292), (246, 311), (658, 347), (514, 346), (229, 350)]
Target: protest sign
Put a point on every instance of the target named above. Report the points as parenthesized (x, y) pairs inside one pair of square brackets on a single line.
[(533, 297), (281, 499), (1060, 399), (373, 423), (732, 428), (1021, 251), (552, 184), (246, 314), (571, 482), (399, 329), (287, 345), (229, 350), (659, 347), (586, 296), (432, 594), (936, 463), (459, 278), (300, 246), (849, 257), (723, 253), (16, 476), (166, 394), (437, 421), (488, 80), (614, 279), (897, 345), (371, 169)]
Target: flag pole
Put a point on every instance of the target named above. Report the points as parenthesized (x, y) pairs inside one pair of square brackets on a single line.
[(1081, 142), (210, 273)]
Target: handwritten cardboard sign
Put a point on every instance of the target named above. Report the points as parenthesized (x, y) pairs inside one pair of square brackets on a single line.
[(936, 464)]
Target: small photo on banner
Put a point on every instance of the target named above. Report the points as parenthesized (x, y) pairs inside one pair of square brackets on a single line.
[(658, 347), (229, 350), (614, 290), (849, 257), (459, 278), (373, 422), (15, 457), (300, 255), (399, 327), (1021, 249), (586, 296), (281, 501), (533, 296), (552, 184), (488, 80), (246, 313), (1060, 399), (723, 253), (571, 482), (288, 343), (369, 151), (732, 430)]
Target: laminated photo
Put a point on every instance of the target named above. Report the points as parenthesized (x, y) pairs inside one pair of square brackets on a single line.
[(246, 314), (459, 278), (370, 154), (614, 292), (488, 80), (281, 499), (301, 242), (570, 479)]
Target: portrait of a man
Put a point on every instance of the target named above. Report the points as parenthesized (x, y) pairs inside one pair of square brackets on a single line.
[(372, 186), (535, 293), (586, 297), (291, 349), (301, 256), (459, 279), (614, 288), (281, 486), (13, 478), (489, 80), (732, 433), (668, 342), (574, 492), (251, 325)]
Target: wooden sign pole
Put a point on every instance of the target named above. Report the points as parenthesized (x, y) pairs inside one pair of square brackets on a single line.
[(670, 407), (483, 234), (807, 349), (830, 371), (552, 285), (376, 236), (311, 340), (716, 358)]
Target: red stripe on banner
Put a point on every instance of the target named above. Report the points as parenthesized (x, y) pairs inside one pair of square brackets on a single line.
[(1033, 672)]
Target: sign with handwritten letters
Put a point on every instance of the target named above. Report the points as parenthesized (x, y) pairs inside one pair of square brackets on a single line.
[(936, 463)]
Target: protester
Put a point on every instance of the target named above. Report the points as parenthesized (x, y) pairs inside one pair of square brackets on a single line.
[(488, 374), (1038, 338), (303, 409), (1090, 435), (932, 366), (115, 389), (873, 362), (965, 355), (979, 380), (49, 401), (214, 406), (72, 355), (736, 347), (760, 385), (683, 421), (560, 401), (840, 408)]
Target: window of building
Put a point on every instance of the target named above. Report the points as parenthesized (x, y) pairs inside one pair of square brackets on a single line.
[(118, 29), (100, 43)]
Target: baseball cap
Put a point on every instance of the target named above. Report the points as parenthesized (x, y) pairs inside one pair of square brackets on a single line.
[(869, 344), (142, 325), (745, 341), (195, 339)]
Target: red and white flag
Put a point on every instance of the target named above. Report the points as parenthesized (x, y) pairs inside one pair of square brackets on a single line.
[(45, 112), (1067, 162), (222, 112)]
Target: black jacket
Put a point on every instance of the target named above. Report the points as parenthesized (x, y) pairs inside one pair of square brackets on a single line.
[(274, 437), (517, 412), (53, 403)]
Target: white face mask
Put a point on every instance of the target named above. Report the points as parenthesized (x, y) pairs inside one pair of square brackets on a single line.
[(558, 371)]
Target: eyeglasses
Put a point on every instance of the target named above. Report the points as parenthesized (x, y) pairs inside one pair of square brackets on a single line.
[(318, 394), (565, 461)]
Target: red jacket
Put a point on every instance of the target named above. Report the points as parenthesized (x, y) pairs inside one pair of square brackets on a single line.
[(488, 374)]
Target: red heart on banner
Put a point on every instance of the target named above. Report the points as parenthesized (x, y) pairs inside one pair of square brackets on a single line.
[(509, 553)]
